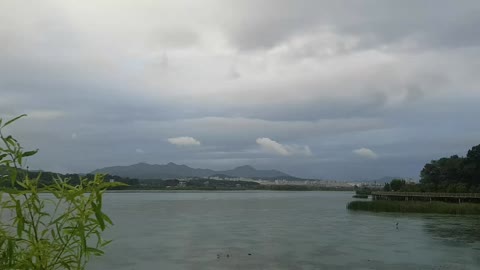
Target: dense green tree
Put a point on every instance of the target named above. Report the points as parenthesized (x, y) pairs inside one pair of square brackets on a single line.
[(474, 153), (472, 167), (453, 174), (397, 184)]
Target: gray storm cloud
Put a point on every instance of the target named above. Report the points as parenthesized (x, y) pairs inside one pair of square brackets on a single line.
[(100, 78)]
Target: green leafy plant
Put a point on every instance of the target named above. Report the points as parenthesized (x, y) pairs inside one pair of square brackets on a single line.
[(54, 226)]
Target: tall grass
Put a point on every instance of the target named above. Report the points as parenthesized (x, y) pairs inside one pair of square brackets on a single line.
[(415, 207)]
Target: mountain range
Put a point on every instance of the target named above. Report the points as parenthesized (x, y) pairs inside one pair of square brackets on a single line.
[(172, 170)]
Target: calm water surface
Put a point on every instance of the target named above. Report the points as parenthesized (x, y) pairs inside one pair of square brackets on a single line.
[(278, 230)]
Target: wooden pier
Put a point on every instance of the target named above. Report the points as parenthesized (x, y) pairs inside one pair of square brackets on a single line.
[(427, 196)]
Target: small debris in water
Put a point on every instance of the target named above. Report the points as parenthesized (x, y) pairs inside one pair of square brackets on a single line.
[(249, 254)]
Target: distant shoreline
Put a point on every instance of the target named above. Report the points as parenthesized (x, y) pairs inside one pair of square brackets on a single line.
[(434, 207), (278, 188)]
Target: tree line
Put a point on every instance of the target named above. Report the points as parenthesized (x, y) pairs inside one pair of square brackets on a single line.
[(448, 174), (48, 178)]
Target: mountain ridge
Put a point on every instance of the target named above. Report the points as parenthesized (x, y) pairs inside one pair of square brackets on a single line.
[(171, 170)]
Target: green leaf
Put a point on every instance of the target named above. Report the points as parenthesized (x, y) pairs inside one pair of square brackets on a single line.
[(81, 233), (10, 251), (13, 120), (10, 140), (20, 219), (29, 153), (99, 215), (104, 243), (107, 219), (22, 184), (95, 251), (13, 177)]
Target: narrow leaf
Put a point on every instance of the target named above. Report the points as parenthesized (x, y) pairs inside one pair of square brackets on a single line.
[(29, 153), (13, 120)]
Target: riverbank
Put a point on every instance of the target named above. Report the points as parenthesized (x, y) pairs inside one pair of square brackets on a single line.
[(416, 207)]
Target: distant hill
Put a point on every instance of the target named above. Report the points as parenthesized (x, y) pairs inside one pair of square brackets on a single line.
[(172, 170)]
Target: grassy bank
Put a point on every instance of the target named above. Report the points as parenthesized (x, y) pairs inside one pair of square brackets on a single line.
[(415, 207), (360, 196)]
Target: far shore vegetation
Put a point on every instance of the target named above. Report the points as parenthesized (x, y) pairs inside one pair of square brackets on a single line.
[(446, 175), (362, 193), (449, 174), (360, 196), (171, 184), (416, 207)]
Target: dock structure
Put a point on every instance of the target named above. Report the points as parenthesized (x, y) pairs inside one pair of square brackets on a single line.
[(427, 196)]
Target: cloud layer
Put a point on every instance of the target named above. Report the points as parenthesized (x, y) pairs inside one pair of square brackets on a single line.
[(99, 79)]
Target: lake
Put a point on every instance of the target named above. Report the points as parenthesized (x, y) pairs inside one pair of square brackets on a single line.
[(278, 230)]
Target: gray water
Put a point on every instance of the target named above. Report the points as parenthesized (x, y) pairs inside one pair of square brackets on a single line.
[(278, 230)]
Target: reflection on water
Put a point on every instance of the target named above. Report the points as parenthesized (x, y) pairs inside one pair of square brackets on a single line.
[(454, 230), (278, 230)]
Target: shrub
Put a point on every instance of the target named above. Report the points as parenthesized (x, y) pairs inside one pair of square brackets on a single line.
[(44, 227)]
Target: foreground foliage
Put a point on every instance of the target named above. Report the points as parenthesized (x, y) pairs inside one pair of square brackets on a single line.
[(55, 226), (416, 207)]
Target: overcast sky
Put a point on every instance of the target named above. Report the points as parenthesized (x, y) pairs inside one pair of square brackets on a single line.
[(324, 89)]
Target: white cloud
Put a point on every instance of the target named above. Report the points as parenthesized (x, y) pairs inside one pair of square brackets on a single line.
[(183, 141), (274, 147), (139, 151), (45, 114), (366, 153)]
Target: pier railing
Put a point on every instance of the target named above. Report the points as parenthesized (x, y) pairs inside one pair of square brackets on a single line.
[(426, 194)]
